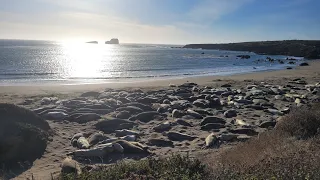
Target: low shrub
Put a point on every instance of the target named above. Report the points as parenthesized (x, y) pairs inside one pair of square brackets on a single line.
[(302, 123), (174, 167)]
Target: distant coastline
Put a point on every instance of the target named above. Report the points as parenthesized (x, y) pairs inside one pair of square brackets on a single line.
[(309, 49)]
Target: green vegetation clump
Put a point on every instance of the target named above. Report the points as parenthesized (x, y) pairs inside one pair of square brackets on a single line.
[(174, 167)]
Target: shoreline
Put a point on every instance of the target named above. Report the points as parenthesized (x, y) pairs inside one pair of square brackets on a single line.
[(102, 80), (49, 88)]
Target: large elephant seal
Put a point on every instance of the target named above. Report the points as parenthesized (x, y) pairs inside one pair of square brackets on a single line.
[(132, 147), (99, 151), (96, 138)]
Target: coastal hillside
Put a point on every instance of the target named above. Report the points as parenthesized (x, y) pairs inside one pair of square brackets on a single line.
[(309, 49)]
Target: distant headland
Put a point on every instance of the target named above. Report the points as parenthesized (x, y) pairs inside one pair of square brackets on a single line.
[(309, 49)]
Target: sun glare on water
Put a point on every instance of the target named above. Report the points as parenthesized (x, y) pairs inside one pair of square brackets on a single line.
[(85, 60)]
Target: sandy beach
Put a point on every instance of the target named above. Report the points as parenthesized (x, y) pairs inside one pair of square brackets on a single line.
[(243, 102)]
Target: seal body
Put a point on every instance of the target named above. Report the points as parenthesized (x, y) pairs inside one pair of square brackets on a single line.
[(83, 143), (211, 139)]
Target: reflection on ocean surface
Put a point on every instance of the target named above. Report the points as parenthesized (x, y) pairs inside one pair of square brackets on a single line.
[(52, 61)]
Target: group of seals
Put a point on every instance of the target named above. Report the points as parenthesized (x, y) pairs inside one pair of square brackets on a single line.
[(100, 146)]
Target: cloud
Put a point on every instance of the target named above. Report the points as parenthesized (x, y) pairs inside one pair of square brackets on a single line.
[(203, 22), (87, 26), (210, 10), (74, 25)]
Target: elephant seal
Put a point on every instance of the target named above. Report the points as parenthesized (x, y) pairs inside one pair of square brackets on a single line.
[(99, 151), (83, 143), (96, 138), (176, 136), (125, 132), (211, 140), (117, 147), (75, 138), (132, 147), (130, 138)]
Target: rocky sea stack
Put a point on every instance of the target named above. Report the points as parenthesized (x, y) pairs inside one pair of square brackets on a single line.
[(113, 41)]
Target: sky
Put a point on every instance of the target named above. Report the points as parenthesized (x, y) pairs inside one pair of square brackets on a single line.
[(160, 21)]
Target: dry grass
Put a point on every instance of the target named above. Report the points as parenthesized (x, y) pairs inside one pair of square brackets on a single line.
[(301, 123), (290, 151)]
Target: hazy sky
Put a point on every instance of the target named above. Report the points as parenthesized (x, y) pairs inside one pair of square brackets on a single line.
[(160, 21)]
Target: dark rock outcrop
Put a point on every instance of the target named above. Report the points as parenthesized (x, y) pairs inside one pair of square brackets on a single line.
[(244, 56), (304, 64), (23, 135)]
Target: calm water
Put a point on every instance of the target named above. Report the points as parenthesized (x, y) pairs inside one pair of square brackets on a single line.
[(43, 61)]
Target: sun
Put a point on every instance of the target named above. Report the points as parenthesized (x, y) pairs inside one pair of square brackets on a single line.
[(84, 60)]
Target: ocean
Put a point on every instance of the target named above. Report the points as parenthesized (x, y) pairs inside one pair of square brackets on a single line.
[(31, 62)]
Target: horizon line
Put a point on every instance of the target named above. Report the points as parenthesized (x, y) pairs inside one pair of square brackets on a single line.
[(16, 39)]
